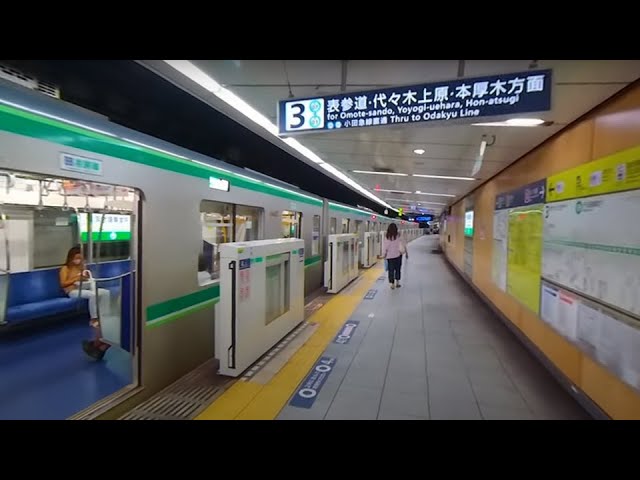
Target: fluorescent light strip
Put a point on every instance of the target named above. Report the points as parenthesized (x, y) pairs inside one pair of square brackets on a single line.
[(371, 172), (513, 122), (443, 177), (192, 72), (409, 201), (413, 175), (418, 192), (55, 117), (390, 191)]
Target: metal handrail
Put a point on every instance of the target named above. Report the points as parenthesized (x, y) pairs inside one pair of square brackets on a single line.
[(106, 279)]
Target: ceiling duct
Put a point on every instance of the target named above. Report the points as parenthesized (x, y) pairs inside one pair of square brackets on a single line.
[(16, 76)]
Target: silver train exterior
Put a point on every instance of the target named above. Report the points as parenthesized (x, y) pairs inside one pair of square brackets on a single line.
[(174, 325)]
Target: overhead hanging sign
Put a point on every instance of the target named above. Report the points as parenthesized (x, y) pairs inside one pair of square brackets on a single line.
[(469, 98)]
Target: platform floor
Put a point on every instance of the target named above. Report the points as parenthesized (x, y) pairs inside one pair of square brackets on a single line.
[(429, 350)]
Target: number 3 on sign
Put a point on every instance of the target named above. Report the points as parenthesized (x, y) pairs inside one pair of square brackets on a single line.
[(304, 115)]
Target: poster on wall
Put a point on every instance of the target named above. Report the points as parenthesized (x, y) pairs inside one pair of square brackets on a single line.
[(500, 247), (592, 242), (524, 243), (609, 337)]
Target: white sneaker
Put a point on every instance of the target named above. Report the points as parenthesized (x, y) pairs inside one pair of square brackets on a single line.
[(392, 286), (398, 284)]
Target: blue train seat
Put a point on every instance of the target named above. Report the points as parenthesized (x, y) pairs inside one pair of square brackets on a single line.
[(37, 294)]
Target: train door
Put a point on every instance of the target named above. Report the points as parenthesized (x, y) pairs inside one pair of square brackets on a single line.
[(113, 281), (5, 260), (45, 222)]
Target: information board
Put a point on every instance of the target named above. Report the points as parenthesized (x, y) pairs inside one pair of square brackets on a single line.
[(468, 223), (592, 246), (500, 249), (116, 227), (517, 242), (525, 255), (459, 99), (607, 336), (615, 173)]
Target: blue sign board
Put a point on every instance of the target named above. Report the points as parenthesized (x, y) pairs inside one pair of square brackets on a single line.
[(460, 99), (245, 263), (530, 194), (424, 219), (311, 386), (346, 332)]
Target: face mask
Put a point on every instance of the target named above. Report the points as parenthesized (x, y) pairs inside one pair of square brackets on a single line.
[(77, 262)]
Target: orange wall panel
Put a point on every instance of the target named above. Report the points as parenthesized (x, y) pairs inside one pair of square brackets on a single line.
[(613, 127)]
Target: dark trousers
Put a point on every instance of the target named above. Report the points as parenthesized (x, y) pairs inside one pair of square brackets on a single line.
[(395, 265)]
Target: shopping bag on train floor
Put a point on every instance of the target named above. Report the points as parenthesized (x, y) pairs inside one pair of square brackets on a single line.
[(386, 265)]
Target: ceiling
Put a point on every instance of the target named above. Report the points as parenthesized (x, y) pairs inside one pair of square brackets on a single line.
[(450, 150)]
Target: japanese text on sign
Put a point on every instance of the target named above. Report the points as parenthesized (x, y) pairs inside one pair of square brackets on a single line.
[(452, 100)]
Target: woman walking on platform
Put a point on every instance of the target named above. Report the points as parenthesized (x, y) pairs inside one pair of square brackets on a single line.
[(394, 248)]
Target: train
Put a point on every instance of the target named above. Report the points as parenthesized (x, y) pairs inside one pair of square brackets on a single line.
[(148, 216)]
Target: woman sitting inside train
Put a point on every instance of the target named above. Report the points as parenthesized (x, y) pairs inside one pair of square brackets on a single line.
[(75, 281)]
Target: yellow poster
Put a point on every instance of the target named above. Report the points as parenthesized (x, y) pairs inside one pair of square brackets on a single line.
[(615, 173), (524, 259)]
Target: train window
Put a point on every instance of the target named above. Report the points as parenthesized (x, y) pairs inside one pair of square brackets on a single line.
[(291, 224), (223, 223), (345, 225), (333, 225), (315, 236), (47, 216), (358, 226), (217, 227), (247, 223)]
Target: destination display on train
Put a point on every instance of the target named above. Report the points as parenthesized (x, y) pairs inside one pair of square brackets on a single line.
[(468, 98)]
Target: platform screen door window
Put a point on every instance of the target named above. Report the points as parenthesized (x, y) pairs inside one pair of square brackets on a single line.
[(345, 225), (345, 258), (315, 236), (333, 225), (277, 286)]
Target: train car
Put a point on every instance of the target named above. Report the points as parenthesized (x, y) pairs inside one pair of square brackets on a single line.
[(148, 217)]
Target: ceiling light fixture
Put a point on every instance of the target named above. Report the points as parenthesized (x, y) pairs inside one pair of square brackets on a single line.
[(409, 201), (513, 122), (443, 177), (373, 172), (419, 151), (189, 70), (418, 192), (390, 191)]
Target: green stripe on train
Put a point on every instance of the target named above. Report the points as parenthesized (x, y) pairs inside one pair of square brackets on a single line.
[(181, 304), (312, 260), (31, 125)]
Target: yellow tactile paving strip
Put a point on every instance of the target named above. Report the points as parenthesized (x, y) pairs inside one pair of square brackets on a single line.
[(247, 400)]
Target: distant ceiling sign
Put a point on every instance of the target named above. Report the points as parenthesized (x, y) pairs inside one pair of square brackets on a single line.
[(468, 98), (219, 184)]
